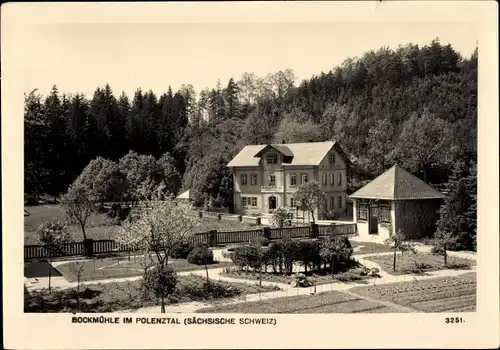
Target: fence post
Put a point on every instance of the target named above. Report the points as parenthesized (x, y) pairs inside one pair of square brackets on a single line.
[(88, 247), (314, 230), (212, 238), (266, 232), (332, 228)]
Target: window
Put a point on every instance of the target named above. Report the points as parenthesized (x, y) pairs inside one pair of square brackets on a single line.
[(292, 202), (244, 179), (272, 180), (244, 201), (332, 202), (362, 212), (339, 202), (254, 201), (384, 213), (331, 157), (272, 159), (253, 179), (325, 179), (303, 178), (332, 180), (339, 179), (293, 179)]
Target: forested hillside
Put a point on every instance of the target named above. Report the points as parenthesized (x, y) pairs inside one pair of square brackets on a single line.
[(413, 105)]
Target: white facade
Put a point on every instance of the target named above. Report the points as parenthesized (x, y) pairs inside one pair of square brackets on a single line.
[(272, 183)]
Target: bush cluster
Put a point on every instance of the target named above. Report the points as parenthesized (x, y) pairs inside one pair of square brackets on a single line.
[(200, 289), (280, 256), (201, 254), (182, 250)]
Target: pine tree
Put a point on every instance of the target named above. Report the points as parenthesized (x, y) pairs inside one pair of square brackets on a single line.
[(458, 213)]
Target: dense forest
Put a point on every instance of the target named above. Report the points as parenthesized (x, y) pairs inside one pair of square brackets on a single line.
[(416, 106)]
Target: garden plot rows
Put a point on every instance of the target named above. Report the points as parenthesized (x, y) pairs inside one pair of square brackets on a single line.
[(329, 302), (455, 294)]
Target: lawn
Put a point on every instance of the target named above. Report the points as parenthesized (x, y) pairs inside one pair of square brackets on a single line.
[(446, 294), (418, 263), (329, 302), (100, 226), (112, 297), (98, 269)]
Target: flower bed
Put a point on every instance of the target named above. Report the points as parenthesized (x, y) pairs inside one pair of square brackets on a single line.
[(354, 274), (111, 297), (418, 263)]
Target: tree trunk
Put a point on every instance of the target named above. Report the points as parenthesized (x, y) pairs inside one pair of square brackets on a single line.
[(78, 293), (50, 274), (260, 277), (394, 262), (163, 304), (332, 266), (206, 270), (445, 255), (83, 231), (312, 214)]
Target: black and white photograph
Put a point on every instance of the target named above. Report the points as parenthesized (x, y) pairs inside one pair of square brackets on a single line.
[(251, 169)]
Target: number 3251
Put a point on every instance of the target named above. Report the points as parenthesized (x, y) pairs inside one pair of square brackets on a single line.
[(454, 320)]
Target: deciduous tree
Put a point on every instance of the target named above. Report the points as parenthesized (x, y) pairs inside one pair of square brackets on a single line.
[(310, 197), (54, 237)]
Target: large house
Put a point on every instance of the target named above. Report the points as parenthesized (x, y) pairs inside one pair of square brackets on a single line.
[(266, 177)]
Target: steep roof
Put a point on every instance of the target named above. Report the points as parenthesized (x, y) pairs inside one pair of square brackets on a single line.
[(307, 153), (184, 195), (397, 184)]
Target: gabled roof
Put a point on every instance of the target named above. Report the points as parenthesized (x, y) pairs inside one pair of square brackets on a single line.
[(184, 195), (397, 184), (281, 148), (307, 153)]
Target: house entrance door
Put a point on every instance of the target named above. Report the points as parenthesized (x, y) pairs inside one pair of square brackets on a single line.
[(373, 219), (272, 203)]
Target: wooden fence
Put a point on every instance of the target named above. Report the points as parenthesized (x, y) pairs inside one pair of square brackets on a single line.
[(212, 238)]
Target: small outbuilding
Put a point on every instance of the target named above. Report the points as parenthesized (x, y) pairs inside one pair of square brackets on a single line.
[(396, 200), (185, 198)]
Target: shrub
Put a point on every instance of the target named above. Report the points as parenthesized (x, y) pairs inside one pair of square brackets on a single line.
[(279, 217), (348, 276), (300, 280), (199, 289), (261, 241), (246, 256), (307, 252), (160, 281), (201, 255), (182, 250)]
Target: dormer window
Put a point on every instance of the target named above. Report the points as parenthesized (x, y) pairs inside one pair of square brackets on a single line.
[(272, 159), (331, 157)]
